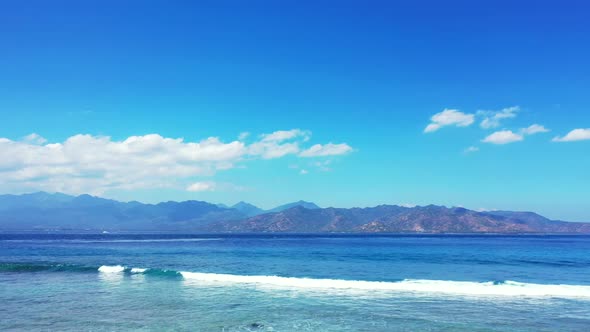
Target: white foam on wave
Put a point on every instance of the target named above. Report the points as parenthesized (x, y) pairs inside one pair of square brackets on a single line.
[(138, 270), (505, 289), (111, 269)]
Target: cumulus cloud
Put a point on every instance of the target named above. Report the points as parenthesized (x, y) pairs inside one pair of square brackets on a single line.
[(492, 119), (508, 136), (273, 149), (284, 135), (449, 117), (533, 129), (98, 164), (574, 135), (329, 149), (34, 139), (503, 137), (279, 143), (202, 186)]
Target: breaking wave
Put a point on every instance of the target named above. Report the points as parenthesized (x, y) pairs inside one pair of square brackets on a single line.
[(137, 270), (446, 287), (505, 288)]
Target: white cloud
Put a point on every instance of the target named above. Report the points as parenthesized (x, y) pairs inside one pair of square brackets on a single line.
[(34, 139), (202, 186), (99, 164), (574, 135), (508, 136), (533, 129), (329, 149), (303, 172), (95, 164), (283, 135), (243, 135), (503, 137), (492, 119), (449, 117), (273, 149), (408, 205), (471, 149), (279, 143)]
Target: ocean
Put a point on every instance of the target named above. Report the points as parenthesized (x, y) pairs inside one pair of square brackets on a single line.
[(277, 282)]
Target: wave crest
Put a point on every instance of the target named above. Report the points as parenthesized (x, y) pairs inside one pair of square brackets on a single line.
[(507, 288), (111, 269), (446, 287)]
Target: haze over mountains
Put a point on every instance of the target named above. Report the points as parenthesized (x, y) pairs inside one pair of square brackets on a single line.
[(54, 212)]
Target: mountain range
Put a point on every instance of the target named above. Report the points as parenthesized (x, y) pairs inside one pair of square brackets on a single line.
[(59, 212)]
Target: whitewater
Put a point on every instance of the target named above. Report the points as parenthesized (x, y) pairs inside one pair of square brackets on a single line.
[(449, 287)]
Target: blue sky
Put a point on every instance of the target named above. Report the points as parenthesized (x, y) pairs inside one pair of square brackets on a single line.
[(361, 79)]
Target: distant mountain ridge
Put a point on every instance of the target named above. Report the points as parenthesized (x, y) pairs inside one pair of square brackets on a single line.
[(60, 212), (397, 219), (45, 211), (304, 204), (248, 209), (252, 210)]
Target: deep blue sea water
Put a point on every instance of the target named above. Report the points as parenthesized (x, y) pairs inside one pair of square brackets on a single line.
[(294, 283)]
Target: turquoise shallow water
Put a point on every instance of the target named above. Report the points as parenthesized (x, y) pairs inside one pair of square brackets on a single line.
[(294, 283)]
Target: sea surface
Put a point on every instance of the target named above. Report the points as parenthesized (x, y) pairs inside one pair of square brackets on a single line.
[(267, 282)]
